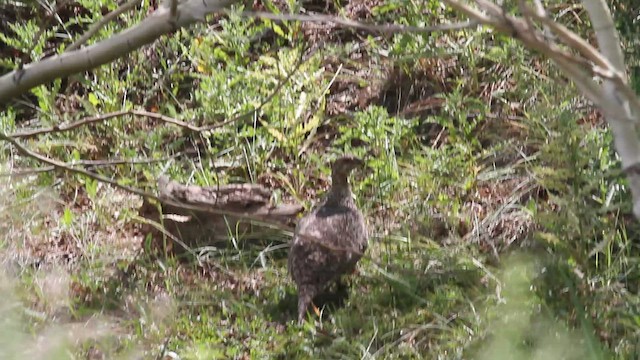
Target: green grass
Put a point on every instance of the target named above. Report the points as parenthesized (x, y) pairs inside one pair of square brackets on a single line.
[(500, 224)]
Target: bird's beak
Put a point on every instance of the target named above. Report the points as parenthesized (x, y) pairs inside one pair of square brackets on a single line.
[(364, 168)]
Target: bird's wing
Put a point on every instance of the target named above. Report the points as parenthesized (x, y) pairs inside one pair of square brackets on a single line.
[(324, 247)]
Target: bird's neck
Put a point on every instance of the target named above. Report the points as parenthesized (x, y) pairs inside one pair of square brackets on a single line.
[(340, 192)]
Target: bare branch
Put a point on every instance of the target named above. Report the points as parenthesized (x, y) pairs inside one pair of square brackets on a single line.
[(155, 25), (60, 165), (585, 83), (102, 22), (493, 9), (605, 31), (160, 22), (540, 10), (74, 170), (160, 117), (534, 39), (94, 163), (301, 60), (618, 102), (101, 118), (385, 29), (570, 38), (95, 119), (602, 67), (472, 13), (522, 5)]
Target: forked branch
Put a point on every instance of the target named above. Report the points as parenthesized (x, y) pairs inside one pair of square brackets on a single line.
[(580, 62)]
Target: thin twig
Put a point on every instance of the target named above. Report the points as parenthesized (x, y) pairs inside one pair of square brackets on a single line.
[(102, 22), (160, 117), (51, 13), (160, 227), (569, 37), (385, 29), (147, 195), (98, 118), (165, 344), (94, 163), (301, 60), (60, 165), (104, 117), (473, 13)]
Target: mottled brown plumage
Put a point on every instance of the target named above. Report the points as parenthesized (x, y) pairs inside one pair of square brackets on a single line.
[(329, 241)]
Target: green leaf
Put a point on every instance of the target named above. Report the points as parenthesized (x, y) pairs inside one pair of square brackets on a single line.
[(278, 30), (67, 217), (93, 99), (91, 186)]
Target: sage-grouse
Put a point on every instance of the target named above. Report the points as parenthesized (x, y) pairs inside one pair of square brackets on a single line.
[(329, 241)]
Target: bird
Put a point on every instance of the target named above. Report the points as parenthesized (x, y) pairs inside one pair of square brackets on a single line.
[(330, 240)]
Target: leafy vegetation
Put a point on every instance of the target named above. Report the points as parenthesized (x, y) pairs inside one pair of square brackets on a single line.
[(501, 227)]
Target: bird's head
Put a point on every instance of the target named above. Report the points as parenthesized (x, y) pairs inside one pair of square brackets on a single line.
[(342, 166)]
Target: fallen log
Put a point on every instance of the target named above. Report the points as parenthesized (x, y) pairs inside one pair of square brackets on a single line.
[(212, 216)]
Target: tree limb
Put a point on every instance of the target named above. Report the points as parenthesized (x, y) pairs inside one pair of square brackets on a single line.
[(155, 25), (606, 33), (618, 102), (625, 133)]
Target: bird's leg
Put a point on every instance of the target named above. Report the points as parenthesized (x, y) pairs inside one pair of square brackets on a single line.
[(304, 299)]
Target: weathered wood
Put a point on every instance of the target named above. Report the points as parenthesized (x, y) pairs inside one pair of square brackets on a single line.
[(207, 226)]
